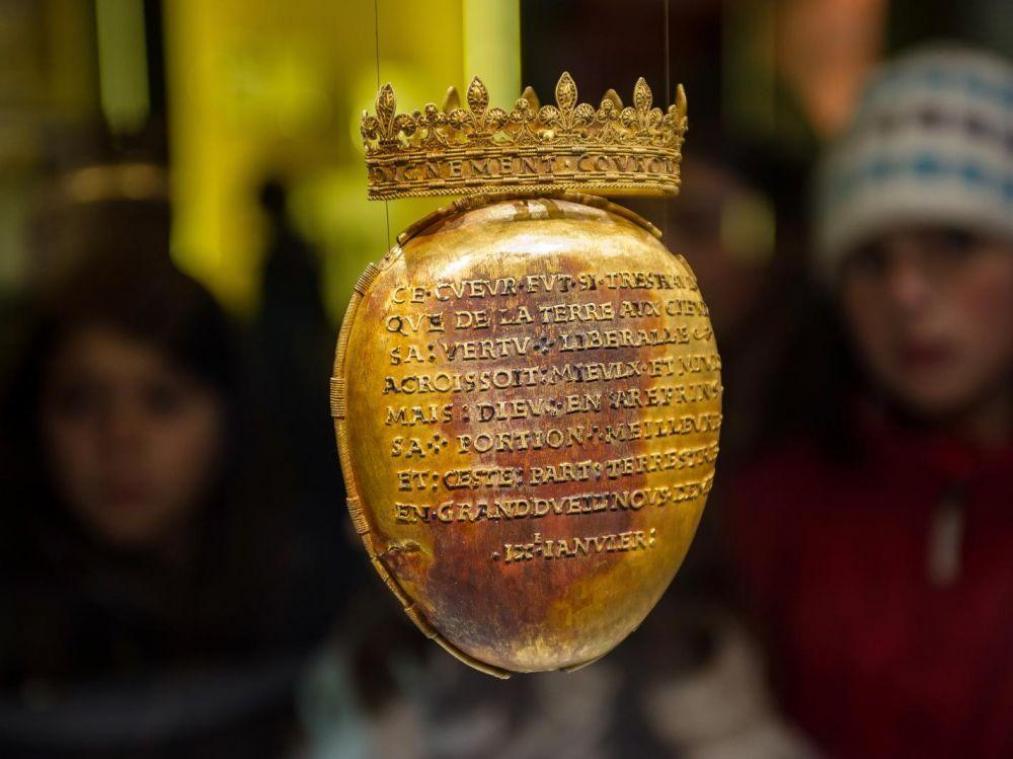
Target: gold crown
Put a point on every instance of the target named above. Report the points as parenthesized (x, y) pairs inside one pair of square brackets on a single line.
[(610, 150)]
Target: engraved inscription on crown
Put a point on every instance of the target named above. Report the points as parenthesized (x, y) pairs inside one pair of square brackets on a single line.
[(610, 150)]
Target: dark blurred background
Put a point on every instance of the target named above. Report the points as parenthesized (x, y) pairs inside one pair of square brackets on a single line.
[(182, 217), (235, 94)]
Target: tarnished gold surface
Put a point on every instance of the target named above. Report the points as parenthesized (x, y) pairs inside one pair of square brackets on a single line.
[(527, 401), (612, 149)]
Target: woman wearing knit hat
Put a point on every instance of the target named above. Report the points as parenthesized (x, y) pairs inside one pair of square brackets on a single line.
[(880, 566)]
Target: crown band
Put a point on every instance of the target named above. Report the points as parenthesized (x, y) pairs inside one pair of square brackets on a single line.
[(613, 150)]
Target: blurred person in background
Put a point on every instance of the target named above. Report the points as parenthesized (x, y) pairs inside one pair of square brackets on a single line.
[(875, 538), (291, 354), (155, 601), (723, 221)]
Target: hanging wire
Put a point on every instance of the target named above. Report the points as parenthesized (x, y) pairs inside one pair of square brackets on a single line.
[(376, 27), (667, 99)]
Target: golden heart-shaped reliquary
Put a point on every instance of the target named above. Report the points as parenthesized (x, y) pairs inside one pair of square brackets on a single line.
[(527, 391)]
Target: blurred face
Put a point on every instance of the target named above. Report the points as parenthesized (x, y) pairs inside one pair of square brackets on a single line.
[(132, 442), (930, 312)]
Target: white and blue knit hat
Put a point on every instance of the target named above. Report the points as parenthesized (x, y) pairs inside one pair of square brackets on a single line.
[(931, 142)]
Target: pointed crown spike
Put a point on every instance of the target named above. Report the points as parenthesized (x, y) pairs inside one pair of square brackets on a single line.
[(474, 148), (531, 96), (613, 98), (451, 100), (680, 99)]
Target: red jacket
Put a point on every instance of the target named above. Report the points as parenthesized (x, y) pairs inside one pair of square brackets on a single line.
[(872, 658)]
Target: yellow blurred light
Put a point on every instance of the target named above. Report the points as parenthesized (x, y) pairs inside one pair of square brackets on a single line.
[(259, 89), (123, 63), (492, 39)]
